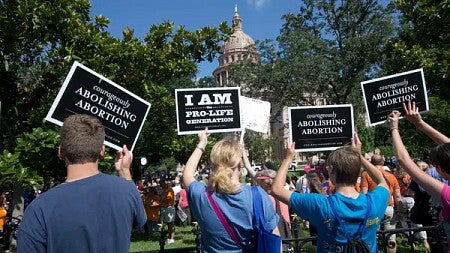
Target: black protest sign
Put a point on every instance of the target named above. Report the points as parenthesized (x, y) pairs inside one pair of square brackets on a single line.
[(383, 95), (87, 92), (318, 128), (217, 109)]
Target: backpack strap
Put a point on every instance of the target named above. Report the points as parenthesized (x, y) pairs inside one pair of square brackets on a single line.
[(222, 218), (342, 222)]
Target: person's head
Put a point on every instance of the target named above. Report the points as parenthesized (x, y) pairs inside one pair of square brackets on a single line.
[(377, 160), (422, 165), (294, 179), (82, 138), (315, 185), (226, 160), (268, 166), (344, 166), (440, 158), (266, 177)]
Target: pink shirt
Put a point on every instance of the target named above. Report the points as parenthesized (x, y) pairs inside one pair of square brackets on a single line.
[(445, 199), (183, 198), (284, 209)]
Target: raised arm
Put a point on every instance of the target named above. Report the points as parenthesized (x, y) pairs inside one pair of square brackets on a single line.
[(373, 171), (123, 162), (278, 189), (413, 116), (247, 165), (194, 159), (431, 185)]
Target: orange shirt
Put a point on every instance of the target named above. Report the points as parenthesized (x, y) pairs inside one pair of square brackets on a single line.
[(366, 181), (151, 205), (3, 214), (168, 197)]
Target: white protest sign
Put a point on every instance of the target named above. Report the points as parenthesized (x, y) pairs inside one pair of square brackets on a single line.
[(255, 114)]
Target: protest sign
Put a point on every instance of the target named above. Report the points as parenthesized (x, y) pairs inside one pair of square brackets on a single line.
[(255, 114), (215, 108), (382, 95), (87, 92), (318, 128)]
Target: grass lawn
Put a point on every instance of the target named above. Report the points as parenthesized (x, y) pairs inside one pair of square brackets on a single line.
[(185, 237)]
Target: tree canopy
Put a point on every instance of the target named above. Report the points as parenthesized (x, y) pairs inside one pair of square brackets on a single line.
[(40, 40)]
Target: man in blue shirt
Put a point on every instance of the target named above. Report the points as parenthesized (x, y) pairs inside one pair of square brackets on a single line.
[(90, 211), (343, 166)]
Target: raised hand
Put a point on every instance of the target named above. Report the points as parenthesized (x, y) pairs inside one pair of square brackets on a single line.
[(123, 162), (203, 139), (412, 112), (356, 144), (289, 151), (393, 119)]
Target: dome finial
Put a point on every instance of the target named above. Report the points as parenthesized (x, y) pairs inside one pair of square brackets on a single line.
[(237, 21)]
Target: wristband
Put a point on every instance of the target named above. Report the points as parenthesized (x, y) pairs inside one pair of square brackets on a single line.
[(201, 149), (394, 128)]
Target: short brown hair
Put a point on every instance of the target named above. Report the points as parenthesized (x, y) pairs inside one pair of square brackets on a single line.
[(440, 155), (346, 164), (82, 138), (377, 160)]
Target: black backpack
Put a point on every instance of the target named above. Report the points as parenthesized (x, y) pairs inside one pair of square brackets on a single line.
[(354, 243)]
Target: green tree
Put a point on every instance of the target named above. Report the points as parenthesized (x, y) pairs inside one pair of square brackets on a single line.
[(323, 53), (39, 40), (422, 41), (327, 48), (260, 148)]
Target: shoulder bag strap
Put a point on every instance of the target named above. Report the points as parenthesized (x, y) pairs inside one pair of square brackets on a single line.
[(257, 208), (222, 218)]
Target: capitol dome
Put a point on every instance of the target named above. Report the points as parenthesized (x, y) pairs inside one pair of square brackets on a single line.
[(238, 40), (237, 47)]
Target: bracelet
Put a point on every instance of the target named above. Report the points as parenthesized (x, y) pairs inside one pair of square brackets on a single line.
[(394, 128), (202, 149)]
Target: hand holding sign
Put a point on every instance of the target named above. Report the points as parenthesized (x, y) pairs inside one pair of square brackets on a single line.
[(123, 162), (203, 139), (393, 119)]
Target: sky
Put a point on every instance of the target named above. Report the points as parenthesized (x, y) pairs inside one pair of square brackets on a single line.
[(261, 19)]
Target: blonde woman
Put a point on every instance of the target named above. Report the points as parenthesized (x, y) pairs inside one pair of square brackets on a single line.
[(232, 198)]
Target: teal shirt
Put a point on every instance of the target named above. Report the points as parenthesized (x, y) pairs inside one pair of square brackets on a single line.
[(316, 209)]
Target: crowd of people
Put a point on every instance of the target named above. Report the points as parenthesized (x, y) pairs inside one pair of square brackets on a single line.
[(165, 203), (344, 197)]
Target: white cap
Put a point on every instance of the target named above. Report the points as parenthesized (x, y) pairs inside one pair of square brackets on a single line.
[(386, 168)]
